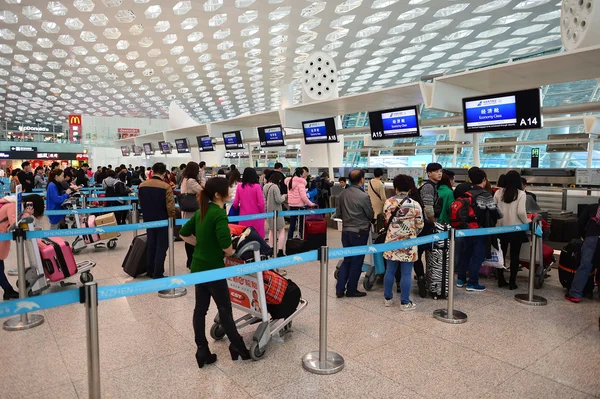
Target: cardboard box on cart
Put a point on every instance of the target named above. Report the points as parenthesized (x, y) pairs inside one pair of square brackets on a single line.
[(107, 220)]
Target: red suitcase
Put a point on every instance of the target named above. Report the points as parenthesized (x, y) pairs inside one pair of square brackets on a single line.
[(315, 234), (57, 258)]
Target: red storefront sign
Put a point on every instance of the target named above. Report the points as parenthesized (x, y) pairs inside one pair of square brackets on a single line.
[(128, 130), (75, 127)]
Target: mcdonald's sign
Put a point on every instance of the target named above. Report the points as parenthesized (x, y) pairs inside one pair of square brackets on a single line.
[(74, 120), (74, 127)]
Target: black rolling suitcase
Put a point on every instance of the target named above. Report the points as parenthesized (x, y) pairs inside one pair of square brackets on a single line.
[(437, 259), (568, 263), (134, 263)]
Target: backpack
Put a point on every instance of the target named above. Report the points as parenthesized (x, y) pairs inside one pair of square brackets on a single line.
[(438, 204), (462, 213), (275, 286), (116, 190)]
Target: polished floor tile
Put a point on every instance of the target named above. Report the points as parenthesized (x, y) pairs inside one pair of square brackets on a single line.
[(526, 385)]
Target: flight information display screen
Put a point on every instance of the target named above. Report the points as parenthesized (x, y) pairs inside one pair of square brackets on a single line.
[(205, 143), (271, 136), (165, 148), (124, 150), (233, 140), (182, 145), (137, 150), (394, 123), (320, 131), (517, 110), (148, 150)]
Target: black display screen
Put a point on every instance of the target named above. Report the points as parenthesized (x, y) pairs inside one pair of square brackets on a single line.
[(271, 136), (137, 150), (165, 148), (148, 150), (394, 123), (517, 110), (124, 150), (233, 140), (182, 146), (320, 131), (205, 143)]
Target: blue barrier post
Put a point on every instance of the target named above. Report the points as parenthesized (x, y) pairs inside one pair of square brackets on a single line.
[(89, 296), (530, 298), (322, 361), (24, 321), (450, 315), (178, 291)]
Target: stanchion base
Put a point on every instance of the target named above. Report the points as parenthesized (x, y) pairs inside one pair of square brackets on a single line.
[(333, 364), (537, 300), (172, 293), (457, 317), (15, 324)]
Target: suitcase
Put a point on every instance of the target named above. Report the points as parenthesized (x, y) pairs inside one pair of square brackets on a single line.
[(568, 263), (57, 258), (90, 238), (315, 233), (108, 219), (134, 263), (437, 259), (296, 246)]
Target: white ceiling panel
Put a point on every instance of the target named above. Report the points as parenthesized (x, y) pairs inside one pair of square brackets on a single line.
[(221, 58)]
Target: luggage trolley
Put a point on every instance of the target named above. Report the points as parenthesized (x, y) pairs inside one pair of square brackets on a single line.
[(34, 273), (247, 294), (81, 242)]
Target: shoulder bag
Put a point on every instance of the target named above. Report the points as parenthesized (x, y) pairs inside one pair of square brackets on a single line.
[(383, 232), (187, 202)]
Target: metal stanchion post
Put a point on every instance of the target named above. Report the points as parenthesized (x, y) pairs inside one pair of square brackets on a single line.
[(450, 315), (179, 291), (24, 321), (530, 298), (134, 217), (83, 200), (275, 246), (322, 361), (90, 292)]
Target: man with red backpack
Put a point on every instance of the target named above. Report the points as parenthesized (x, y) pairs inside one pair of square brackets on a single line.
[(474, 209)]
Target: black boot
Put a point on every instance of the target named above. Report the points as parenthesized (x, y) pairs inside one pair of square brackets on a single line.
[(280, 253), (203, 356), (422, 286), (10, 294), (237, 352), (501, 280)]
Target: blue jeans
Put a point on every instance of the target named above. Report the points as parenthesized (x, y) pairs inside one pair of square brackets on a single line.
[(585, 267), (390, 276), (473, 257), (351, 267)]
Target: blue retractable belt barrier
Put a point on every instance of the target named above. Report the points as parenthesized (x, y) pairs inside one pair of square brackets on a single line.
[(307, 212), (336, 253), (88, 210), (491, 230), (6, 237), (181, 222), (251, 217), (40, 193), (10, 308), (39, 190), (112, 199), (538, 231), (96, 230)]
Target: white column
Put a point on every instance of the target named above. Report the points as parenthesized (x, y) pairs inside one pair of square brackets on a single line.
[(476, 159)]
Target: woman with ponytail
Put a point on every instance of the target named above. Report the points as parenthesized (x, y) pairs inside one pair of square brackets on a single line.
[(297, 198), (210, 223)]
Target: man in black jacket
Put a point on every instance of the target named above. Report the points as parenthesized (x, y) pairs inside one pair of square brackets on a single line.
[(81, 177), (589, 230), (278, 168), (26, 177)]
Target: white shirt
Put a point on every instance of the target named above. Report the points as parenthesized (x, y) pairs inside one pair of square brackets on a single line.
[(515, 212)]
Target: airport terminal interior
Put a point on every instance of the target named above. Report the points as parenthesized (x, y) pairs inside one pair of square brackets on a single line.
[(416, 134)]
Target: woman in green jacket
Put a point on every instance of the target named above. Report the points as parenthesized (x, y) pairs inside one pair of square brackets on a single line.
[(210, 223), (446, 194)]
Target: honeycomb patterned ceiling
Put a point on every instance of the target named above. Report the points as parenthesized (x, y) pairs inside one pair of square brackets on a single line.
[(220, 58)]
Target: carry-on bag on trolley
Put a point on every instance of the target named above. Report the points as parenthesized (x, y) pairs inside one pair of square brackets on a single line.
[(315, 234), (568, 263), (57, 258), (437, 259), (90, 238), (134, 263), (283, 295)]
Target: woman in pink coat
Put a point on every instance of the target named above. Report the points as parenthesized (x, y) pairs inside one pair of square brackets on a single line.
[(249, 200), (297, 198)]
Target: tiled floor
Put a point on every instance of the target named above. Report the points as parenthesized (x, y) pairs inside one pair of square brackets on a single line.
[(505, 350)]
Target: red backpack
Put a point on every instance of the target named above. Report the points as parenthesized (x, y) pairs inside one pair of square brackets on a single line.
[(462, 213)]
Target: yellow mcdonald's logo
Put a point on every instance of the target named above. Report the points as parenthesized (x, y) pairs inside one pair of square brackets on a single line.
[(75, 120)]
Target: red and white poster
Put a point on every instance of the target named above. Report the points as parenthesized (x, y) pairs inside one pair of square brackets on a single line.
[(127, 132), (243, 290)]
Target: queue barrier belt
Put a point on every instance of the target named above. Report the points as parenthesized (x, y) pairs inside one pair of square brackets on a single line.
[(111, 199), (88, 210), (15, 307), (306, 212)]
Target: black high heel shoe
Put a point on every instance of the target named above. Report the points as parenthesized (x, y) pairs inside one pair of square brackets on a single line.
[(237, 353), (203, 356)]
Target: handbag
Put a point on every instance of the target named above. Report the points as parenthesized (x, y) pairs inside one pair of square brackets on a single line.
[(188, 202), (497, 258), (383, 232)]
